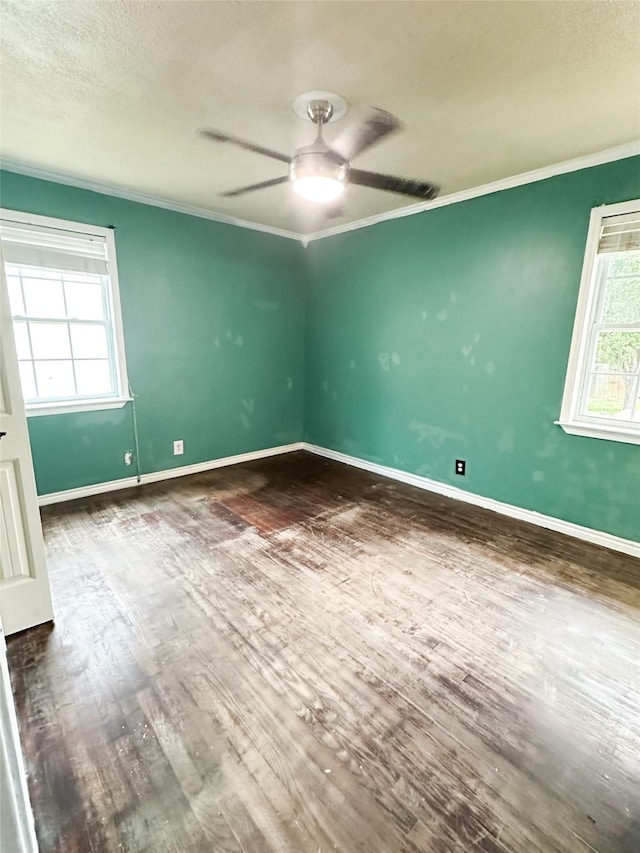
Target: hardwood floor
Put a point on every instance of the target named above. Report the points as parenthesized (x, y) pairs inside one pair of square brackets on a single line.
[(292, 655)]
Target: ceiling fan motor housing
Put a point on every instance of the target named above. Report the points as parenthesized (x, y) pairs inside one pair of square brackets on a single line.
[(318, 161)]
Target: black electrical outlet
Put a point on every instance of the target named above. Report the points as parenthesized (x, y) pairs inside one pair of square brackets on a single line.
[(460, 467)]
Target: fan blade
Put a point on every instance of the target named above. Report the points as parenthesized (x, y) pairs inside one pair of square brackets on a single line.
[(252, 187), (359, 137), (392, 184), (217, 136)]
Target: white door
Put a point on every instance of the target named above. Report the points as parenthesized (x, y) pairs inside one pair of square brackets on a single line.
[(25, 599), (17, 831)]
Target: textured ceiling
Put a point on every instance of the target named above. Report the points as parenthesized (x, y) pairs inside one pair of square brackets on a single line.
[(113, 92)]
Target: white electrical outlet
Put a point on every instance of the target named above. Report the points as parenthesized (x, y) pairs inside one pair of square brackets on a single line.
[(128, 457), (178, 447)]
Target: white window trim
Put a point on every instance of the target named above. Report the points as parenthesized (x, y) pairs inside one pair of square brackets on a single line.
[(569, 419), (35, 410), (123, 396)]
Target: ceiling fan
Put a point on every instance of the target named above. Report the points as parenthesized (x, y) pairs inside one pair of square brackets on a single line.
[(319, 172)]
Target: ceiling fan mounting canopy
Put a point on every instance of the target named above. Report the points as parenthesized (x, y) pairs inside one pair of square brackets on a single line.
[(320, 111), (339, 106), (319, 172)]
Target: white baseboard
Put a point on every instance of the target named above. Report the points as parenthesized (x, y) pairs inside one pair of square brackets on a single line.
[(220, 463), (597, 537), (86, 491), (167, 474), (587, 534)]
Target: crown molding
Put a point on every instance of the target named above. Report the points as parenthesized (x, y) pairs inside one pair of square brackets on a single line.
[(609, 155), (142, 198), (620, 152)]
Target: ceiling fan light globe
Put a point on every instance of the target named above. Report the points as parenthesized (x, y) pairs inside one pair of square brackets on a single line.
[(317, 174), (318, 189)]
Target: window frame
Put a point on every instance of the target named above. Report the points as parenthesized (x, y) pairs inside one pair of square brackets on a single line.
[(123, 395), (591, 291)]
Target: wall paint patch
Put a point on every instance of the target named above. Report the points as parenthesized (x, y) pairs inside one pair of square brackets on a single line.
[(506, 442), (435, 435)]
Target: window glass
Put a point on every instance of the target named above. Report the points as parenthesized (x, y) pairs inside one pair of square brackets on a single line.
[(43, 297), (50, 340), (84, 300), (55, 379)]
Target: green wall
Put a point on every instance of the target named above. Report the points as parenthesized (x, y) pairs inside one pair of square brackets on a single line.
[(213, 321), (446, 335), (438, 336)]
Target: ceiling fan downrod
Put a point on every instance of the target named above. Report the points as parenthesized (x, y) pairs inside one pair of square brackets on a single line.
[(320, 112)]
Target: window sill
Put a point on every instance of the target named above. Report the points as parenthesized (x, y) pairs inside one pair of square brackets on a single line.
[(611, 433), (80, 406)]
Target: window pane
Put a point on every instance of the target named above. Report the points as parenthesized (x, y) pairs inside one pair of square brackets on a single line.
[(21, 335), (617, 352), (15, 295), (89, 341), (611, 396), (94, 378), (84, 300), (50, 340), (622, 292), (55, 379), (27, 381), (624, 263), (43, 297)]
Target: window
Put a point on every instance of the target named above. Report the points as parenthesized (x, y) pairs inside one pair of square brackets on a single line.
[(63, 292), (602, 389)]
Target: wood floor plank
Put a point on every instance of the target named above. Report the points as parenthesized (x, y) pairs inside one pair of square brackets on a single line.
[(407, 709), (290, 656)]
